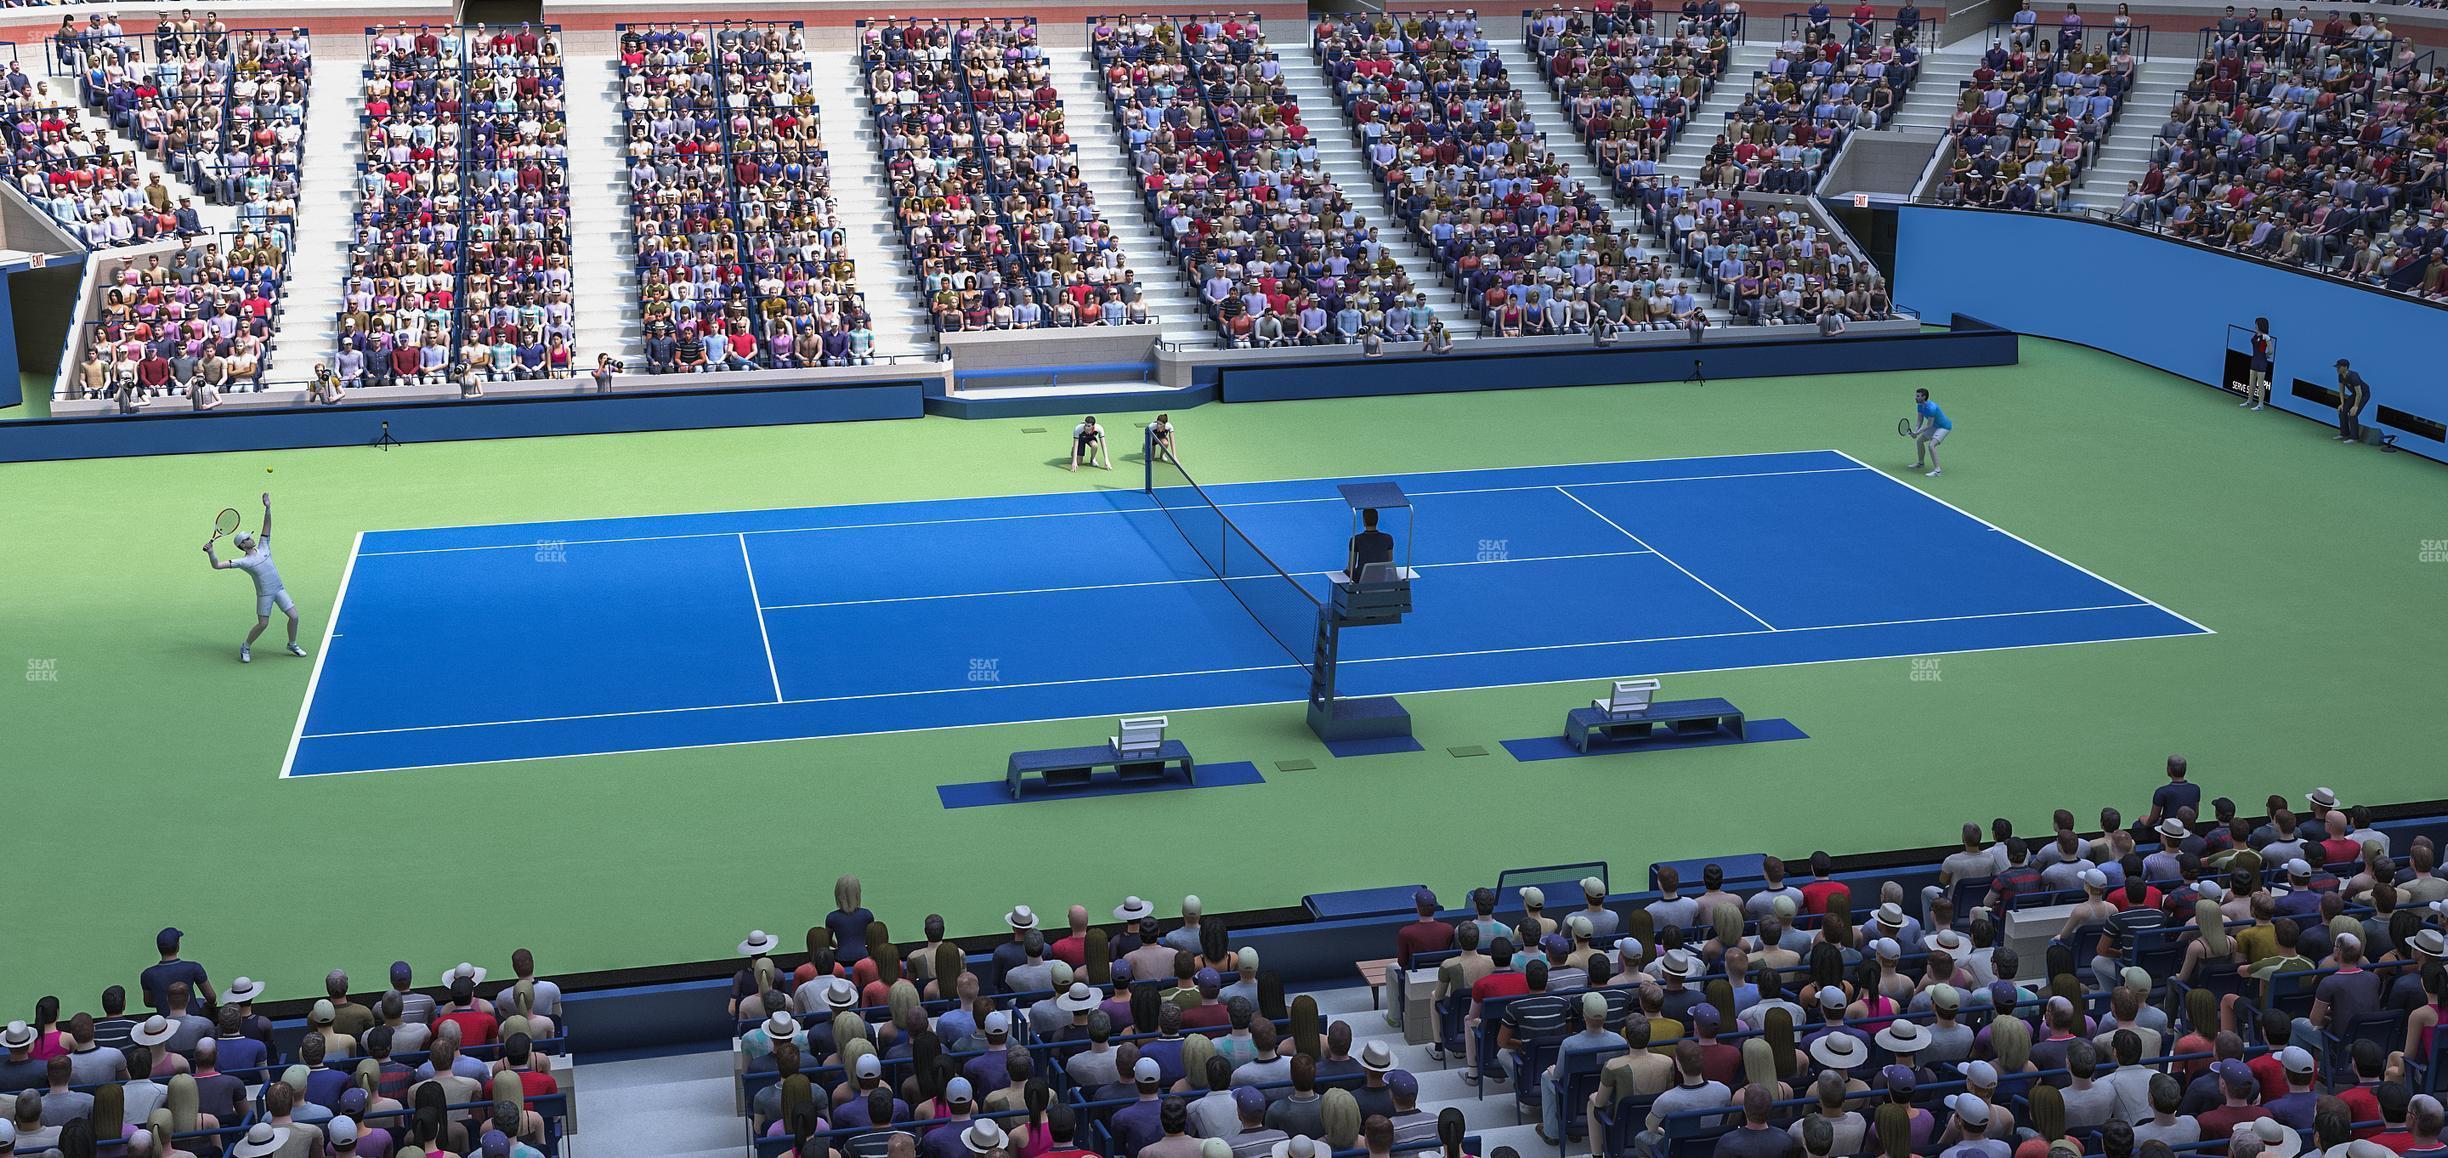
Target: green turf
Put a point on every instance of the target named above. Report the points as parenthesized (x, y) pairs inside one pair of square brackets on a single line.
[(35, 397), (144, 789)]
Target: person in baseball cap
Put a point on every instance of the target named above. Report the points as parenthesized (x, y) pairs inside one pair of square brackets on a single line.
[(1534, 910), (1603, 921), (1425, 933)]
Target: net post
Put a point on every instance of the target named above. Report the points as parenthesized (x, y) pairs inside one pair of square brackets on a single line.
[(1147, 458)]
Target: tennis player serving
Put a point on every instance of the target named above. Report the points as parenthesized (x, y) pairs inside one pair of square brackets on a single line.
[(1933, 429), (255, 558)]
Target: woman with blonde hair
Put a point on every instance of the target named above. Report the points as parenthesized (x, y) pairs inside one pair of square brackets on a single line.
[(849, 1030), (1760, 1068), (2209, 943), (2010, 1050), (1725, 931), (1341, 1113), (1196, 1048), (848, 921)]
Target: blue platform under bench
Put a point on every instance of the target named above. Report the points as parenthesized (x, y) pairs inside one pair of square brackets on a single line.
[(1671, 719), (1075, 769), (984, 792), (1559, 748)]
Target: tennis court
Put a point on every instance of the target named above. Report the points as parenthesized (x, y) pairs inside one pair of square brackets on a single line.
[(526, 641)]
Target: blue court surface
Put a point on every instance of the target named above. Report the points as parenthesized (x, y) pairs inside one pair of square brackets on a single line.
[(464, 645)]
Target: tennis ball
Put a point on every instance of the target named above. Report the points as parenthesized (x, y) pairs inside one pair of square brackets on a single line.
[(267, 470)]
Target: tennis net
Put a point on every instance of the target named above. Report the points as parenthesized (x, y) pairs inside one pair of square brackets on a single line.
[(1276, 600)]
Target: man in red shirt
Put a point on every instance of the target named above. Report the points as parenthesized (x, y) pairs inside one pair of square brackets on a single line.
[(2363, 1098), (1425, 935), (476, 1023), (2238, 1085), (1817, 894), (519, 1055), (1506, 981)]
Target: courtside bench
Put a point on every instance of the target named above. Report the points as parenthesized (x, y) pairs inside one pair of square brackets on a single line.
[(1075, 769), (1679, 719)]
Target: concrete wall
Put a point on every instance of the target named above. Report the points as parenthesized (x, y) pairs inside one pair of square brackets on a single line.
[(1038, 349)]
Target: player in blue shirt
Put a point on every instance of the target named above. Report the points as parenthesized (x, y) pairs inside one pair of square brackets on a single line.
[(1933, 430)]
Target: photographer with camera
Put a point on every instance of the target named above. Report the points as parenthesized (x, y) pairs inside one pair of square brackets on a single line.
[(605, 368)]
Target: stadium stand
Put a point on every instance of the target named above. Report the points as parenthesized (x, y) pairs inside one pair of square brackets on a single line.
[(739, 254), (2295, 141), (1232, 179), (985, 180), (2189, 981), (462, 219), (218, 116)]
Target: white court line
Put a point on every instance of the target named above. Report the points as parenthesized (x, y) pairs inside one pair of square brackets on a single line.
[(1668, 560), (522, 546), (2189, 621), (1238, 670), (1218, 707), (758, 601), (1181, 582), (315, 678), (1052, 494)]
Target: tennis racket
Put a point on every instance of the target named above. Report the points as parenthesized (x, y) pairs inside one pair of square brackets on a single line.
[(1904, 427), (224, 524)]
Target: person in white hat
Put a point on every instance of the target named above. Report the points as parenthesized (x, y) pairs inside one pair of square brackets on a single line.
[(1950, 1040), (983, 1137), (780, 1027), (1973, 1120), (1604, 922), (1905, 1041), (1889, 919), (1013, 953), (956, 1105), (1140, 1123), (263, 1140), (1534, 914), (2264, 1138), (2088, 913), (1839, 1052)]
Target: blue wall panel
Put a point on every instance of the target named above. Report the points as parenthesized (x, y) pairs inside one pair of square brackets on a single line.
[(178, 432), (2167, 304), (1670, 362)]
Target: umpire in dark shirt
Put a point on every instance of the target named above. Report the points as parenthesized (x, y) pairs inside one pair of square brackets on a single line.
[(1369, 546), (2353, 395)]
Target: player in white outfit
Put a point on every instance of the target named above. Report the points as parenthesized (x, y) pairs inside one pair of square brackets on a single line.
[(255, 558)]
